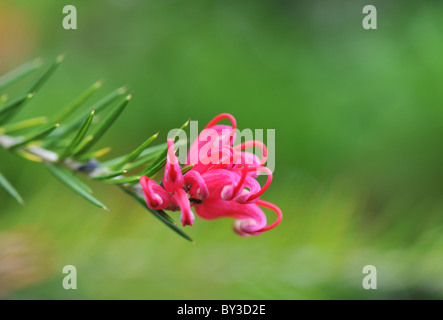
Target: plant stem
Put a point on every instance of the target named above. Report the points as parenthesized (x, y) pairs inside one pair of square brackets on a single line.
[(49, 156)]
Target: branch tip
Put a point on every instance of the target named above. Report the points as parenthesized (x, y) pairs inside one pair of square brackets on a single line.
[(60, 58)]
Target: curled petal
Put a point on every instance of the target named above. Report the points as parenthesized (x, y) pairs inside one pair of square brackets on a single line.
[(207, 149), (180, 198), (246, 227), (232, 191), (249, 159), (251, 220), (274, 208), (227, 157), (212, 124), (197, 185), (254, 194), (212, 136), (254, 143), (156, 197), (216, 180), (222, 116), (173, 178), (228, 185)]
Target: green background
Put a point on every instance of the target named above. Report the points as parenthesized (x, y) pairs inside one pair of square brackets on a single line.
[(359, 125)]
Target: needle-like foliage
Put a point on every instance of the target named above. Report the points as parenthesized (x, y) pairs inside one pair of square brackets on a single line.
[(63, 142)]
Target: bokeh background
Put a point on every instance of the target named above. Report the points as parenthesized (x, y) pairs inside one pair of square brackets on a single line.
[(359, 125)]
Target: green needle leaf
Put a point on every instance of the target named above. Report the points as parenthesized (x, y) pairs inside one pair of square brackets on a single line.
[(3, 99), (160, 160), (76, 185), (28, 156), (19, 73), (110, 175), (45, 75), (181, 128), (134, 154), (139, 162), (75, 124), (10, 189), (94, 154), (9, 109), (150, 152), (155, 167), (35, 137), (104, 125), (161, 215), (174, 227), (79, 137), (187, 168), (25, 124), (69, 109), (107, 100), (124, 180)]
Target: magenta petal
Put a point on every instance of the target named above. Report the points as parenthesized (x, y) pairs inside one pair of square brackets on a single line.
[(250, 159), (221, 183), (156, 197), (173, 178), (198, 189), (180, 198), (208, 144), (250, 187), (250, 218)]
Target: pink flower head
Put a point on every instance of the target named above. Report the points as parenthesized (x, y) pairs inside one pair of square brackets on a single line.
[(222, 182), (172, 195)]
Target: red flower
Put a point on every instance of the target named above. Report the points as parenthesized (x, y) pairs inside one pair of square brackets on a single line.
[(222, 182)]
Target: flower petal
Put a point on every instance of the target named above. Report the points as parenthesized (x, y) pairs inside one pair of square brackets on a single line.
[(197, 186), (156, 197), (250, 218), (180, 198), (173, 178)]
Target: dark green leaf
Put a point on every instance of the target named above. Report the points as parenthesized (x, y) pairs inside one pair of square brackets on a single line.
[(10, 189), (93, 154), (123, 180), (11, 108), (160, 160), (3, 99), (79, 137), (69, 109), (36, 137), (25, 124), (104, 125), (45, 75), (109, 175), (155, 165), (75, 124), (161, 215), (19, 73), (150, 152), (187, 168), (134, 154), (72, 182), (140, 161)]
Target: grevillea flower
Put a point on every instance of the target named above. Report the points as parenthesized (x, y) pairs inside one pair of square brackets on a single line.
[(221, 183)]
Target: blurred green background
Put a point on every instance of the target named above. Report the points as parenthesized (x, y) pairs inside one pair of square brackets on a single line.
[(359, 125)]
